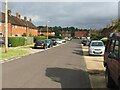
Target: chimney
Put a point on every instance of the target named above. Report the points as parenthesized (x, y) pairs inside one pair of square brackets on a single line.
[(17, 15), (30, 20), (9, 12), (25, 18)]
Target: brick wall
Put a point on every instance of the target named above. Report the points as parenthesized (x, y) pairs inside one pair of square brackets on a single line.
[(18, 30), (80, 33), (33, 32), (49, 33)]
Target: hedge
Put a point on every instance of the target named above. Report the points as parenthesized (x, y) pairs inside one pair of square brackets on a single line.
[(28, 40), (16, 41), (39, 38), (96, 36)]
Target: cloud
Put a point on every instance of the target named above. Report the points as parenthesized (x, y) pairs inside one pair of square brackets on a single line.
[(62, 0), (78, 14)]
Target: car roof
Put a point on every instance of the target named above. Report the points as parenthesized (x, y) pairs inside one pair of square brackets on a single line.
[(96, 41), (115, 34)]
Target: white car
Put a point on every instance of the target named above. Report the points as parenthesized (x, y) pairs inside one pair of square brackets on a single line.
[(63, 40), (59, 41), (96, 47)]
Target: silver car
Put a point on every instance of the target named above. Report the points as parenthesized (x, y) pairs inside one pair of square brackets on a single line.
[(96, 47)]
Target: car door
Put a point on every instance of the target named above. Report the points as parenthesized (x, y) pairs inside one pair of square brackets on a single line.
[(113, 58)]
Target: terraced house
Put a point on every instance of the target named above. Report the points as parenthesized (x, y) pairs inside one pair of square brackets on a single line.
[(17, 26)]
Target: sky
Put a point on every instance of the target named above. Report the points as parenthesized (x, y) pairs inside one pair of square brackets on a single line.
[(93, 15)]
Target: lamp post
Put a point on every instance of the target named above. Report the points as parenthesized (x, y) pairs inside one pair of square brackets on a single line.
[(6, 26), (47, 28)]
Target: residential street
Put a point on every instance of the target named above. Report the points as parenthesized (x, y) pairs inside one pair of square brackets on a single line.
[(59, 67)]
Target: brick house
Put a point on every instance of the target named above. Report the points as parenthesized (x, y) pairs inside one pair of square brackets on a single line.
[(81, 33), (66, 33), (17, 26), (44, 32), (109, 29)]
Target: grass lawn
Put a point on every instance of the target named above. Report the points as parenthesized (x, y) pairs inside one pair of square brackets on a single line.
[(12, 53)]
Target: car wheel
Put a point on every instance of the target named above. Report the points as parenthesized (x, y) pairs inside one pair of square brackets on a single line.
[(49, 46), (44, 47), (35, 46), (109, 81)]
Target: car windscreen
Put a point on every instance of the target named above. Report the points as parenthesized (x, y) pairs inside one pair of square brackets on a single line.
[(97, 44)]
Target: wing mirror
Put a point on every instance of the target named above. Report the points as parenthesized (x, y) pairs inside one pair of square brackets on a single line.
[(111, 55)]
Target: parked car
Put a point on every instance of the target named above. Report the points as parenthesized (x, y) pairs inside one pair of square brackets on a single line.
[(96, 47), (85, 41), (112, 61), (69, 38), (63, 40), (2, 43), (54, 41), (41, 44), (49, 43), (59, 41)]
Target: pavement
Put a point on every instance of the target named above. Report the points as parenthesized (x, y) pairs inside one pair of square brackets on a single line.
[(66, 66), (95, 69)]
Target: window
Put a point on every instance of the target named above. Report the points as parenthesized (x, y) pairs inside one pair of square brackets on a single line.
[(12, 26), (1, 35), (116, 49), (111, 46), (15, 26), (97, 44)]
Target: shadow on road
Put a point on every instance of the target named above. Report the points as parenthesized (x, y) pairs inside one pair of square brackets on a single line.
[(69, 78), (96, 72), (78, 52)]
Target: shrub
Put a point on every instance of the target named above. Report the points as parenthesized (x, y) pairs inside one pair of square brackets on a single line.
[(39, 38), (96, 36), (16, 41)]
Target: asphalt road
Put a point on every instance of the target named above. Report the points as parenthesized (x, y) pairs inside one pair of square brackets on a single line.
[(59, 67)]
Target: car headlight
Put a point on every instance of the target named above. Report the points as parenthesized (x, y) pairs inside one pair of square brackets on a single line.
[(91, 48)]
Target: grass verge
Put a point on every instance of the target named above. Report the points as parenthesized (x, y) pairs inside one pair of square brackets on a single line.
[(12, 53)]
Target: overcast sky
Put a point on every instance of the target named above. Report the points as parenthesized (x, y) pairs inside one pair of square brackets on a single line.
[(77, 14)]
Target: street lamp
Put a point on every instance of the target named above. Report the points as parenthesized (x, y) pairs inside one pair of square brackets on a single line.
[(47, 28), (6, 25)]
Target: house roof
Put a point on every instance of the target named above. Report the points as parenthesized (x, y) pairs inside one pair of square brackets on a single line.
[(16, 21)]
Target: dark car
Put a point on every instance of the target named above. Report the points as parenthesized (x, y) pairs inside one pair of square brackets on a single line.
[(112, 61), (54, 41), (41, 44), (2, 43), (49, 43), (85, 41)]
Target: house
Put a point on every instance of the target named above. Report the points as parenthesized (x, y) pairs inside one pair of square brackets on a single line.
[(43, 31), (17, 26), (109, 29), (66, 33), (79, 34)]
